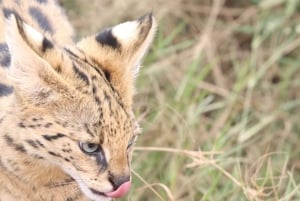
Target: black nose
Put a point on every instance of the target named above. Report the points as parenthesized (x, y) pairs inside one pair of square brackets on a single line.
[(117, 181)]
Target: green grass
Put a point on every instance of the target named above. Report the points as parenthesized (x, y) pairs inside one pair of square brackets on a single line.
[(224, 124)]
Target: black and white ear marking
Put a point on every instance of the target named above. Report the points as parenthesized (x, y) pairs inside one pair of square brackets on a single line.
[(127, 35), (46, 44), (118, 51), (8, 12), (32, 37), (29, 71), (107, 38)]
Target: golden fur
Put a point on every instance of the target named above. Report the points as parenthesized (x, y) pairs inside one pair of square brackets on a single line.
[(55, 95)]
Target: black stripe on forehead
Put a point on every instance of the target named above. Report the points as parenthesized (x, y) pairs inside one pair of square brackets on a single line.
[(81, 74), (75, 58)]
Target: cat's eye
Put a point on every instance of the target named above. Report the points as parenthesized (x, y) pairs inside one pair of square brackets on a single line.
[(89, 148), (131, 142)]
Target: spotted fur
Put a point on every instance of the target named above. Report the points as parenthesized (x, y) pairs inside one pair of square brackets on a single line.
[(56, 94)]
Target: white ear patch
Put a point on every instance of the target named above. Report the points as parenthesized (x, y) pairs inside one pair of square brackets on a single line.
[(126, 32), (16, 26), (35, 35)]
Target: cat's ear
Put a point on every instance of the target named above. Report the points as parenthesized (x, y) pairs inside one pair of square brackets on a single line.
[(119, 50), (31, 70)]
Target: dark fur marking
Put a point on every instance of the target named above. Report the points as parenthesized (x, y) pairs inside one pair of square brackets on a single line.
[(81, 74), (94, 77), (10, 142), (101, 73), (66, 159), (3, 48), (47, 125), (54, 154), (53, 137), (58, 69), (71, 53), (5, 61), (69, 199), (5, 90), (7, 12), (87, 129), (145, 17), (42, 1), (21, 125), (41, 19), (32, 143), (5, 58), (66, 150), (40, 144), (107, 75), (97, 99), (46, 44), (94, 89), (101, 160), (37, 156), (107, 38)]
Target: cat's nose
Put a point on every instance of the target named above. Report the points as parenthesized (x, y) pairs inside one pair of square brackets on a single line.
[(117, 181)]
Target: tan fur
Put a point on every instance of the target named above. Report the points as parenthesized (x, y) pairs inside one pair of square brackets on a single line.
[(64, 96)]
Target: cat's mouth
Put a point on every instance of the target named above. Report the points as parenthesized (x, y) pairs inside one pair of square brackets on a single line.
[(120, 192)]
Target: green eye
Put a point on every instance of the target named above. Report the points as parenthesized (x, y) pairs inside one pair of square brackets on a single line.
[(89, 148)]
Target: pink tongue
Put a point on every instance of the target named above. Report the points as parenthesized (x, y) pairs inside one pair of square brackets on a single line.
[(121, 191)]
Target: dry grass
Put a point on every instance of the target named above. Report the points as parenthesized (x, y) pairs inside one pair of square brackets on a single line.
[(218, 97)]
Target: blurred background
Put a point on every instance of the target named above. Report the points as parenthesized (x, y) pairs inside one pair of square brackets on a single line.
[(218, 97)]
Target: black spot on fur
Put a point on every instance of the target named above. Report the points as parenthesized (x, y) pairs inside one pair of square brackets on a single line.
[(97, 99), (46, 44), (107, 75), (58, 69), (66, 159), (54, 154), (48, 125), (94, 89), (10, 142), (69, 199), (32, 143), (53, 137), (37, 156), (66, 150), (4, 55), (41, 19), (107, 38), (42, 1), (21, 125), (81, 74), (5, 90), (39, 143), (31, 126)]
